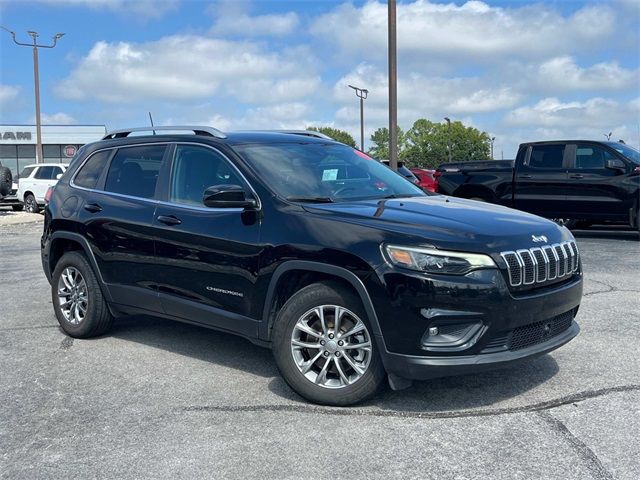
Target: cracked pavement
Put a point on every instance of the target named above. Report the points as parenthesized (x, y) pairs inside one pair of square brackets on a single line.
[(158, 399)]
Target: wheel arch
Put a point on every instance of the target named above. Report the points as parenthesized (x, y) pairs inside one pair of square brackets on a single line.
[(62, 242), (306, 273)]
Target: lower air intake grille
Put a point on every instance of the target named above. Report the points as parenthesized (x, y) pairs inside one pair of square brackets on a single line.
[(535, 333)]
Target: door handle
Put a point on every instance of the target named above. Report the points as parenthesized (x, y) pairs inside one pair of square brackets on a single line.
[(524, 175), (93, 207), (169, 220), (576, 175)]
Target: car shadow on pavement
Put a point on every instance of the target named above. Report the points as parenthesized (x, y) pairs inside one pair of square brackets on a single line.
[(603, 233), (196, 342), (438, 395)]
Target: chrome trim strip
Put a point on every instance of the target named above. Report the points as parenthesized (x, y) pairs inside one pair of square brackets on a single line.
[(563, 257)]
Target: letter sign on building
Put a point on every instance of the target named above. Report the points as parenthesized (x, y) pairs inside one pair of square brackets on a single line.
[(16, 136)]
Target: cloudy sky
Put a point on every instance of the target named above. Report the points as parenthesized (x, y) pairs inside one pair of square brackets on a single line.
[(520, 70)]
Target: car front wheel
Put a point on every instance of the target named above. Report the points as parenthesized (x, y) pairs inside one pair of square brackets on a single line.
[(324, 346)]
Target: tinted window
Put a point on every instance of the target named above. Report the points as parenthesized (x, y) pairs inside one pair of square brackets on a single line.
[(546, 156), (591, 157), (90, 172), (26, 172), (134, 171), (44, 173), (194, 170)]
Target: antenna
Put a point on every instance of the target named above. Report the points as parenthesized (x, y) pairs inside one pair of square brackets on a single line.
[(151, 120)]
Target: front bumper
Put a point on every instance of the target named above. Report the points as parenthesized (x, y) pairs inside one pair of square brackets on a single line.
[(424, 368), (506, 321)]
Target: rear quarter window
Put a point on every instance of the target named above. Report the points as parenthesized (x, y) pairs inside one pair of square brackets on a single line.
[(90, 172)]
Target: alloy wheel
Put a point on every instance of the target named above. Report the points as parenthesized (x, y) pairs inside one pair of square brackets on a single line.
[(73, 296), (331, 346)]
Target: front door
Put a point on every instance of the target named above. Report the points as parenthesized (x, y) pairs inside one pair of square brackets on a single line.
[(595, 191), (207, 258)]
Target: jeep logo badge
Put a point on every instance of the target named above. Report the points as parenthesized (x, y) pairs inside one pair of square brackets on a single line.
[(538, 239)]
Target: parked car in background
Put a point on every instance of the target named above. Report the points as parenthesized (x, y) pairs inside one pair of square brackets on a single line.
[(576, 182), (34, 182), (404, 172), (427, 179)]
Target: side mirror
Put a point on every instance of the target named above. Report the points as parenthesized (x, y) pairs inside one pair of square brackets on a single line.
[(227, 196), (59, 176), (615, 164)]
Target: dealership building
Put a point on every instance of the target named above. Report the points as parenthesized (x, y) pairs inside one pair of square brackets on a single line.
[(59, 143)]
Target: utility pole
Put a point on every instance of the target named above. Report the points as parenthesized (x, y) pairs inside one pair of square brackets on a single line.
[(36, 80), (361, 93), (393, 86), (448, 120)]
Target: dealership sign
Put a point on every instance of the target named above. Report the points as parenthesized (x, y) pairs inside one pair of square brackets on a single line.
[(15, 135), (69, 151)]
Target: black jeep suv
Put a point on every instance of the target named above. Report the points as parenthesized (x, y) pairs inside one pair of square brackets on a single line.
[(347, 271)]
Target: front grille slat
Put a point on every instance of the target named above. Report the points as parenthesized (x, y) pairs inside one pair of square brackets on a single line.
[(541, 264)]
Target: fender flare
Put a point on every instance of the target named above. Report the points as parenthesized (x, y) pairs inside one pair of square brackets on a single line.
[(305, 265), (76, 237)]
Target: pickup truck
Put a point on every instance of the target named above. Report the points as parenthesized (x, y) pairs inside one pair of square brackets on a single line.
[(576, 182)]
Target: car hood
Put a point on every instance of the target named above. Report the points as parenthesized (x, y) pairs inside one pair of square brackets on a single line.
[(449, 222)]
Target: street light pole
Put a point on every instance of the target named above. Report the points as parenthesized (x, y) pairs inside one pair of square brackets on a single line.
[(361, 93), (492, 140), (36, 80), (448, 120), (393, 86)]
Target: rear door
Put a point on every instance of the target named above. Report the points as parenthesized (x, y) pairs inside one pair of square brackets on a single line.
[(118, 191), (206, 258), (593, 190), (540, 181)]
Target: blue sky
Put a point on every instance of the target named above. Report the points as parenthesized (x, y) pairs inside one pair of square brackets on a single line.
[(519, 70)]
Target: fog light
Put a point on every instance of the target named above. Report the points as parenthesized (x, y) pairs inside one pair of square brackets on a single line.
[(452, 337), (433, 331)]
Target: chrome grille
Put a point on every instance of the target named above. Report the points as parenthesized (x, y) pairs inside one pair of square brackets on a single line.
[(541, 264)]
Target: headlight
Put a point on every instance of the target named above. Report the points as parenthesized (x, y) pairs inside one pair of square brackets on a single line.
[(437, 261)]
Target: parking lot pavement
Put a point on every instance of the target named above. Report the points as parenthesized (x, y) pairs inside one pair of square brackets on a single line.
[(161, 399)]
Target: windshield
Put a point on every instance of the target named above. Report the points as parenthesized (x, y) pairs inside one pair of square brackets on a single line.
[(629, 152), (324, 172)]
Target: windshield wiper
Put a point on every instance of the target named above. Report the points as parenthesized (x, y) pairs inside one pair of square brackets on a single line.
[(310, 199)]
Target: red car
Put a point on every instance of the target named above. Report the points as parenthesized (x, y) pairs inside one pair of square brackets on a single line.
[(427, 179)]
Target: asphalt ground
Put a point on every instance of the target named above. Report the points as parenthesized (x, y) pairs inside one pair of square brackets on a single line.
[(157, 399)]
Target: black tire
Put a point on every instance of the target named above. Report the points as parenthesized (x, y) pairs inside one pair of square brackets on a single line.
[(17, 208), (6, 181), (30, 204), (320, 294), (97, 319)]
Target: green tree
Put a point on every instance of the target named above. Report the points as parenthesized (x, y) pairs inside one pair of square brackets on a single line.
[(380, 140), (337, 134), (427, 144)]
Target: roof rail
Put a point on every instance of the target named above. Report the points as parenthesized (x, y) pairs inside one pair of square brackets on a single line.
[(197, 130), (307, 133)]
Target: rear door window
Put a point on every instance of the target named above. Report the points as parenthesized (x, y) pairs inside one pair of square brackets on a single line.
[(26, 172), (134, 171), (548, 157)]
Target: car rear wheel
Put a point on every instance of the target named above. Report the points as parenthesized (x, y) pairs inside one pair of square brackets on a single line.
[(324, 346), (30, 204), (77, 298)]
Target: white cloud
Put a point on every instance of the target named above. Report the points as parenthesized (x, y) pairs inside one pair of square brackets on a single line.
[(143, 8), (563, 74), (262, 25), (187, 67), (595, 113), (59, 118), (473, 30), (8, 94)]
